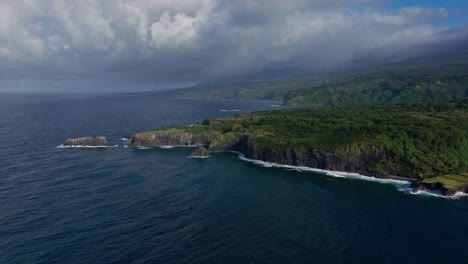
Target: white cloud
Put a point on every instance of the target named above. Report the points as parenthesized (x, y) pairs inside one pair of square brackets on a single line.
[(197, 38), (174, 31)]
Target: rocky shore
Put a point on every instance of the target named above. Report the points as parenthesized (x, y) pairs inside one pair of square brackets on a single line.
[(172, 138), (437, 186), (360, 158)]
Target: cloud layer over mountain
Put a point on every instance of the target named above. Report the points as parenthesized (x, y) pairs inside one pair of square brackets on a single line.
[(188, 41)]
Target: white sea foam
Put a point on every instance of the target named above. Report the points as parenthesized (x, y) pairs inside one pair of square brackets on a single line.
[(232, 110), (126, 139), (429, 193), (166, 147), (88, 147), (401, 185), (142, 147), (198, 157), (275, 105)]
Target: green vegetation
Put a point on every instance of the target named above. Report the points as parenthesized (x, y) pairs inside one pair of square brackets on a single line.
[(450, 181), (397, 84), (416, 113), (429, 139), (222, 126)]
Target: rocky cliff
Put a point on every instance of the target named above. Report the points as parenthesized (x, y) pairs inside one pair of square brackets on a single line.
[(365, 159), (172, 138), (358, 158)]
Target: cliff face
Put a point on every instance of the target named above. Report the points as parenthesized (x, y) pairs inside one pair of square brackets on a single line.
[(228, 142), (360, 159), (365, 159), (171, 138), (87, 141)]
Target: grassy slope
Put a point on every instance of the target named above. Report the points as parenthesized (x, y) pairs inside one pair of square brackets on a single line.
[(451, 181)]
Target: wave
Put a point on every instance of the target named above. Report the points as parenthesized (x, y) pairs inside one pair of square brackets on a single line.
[(142, 147), (438, 194), (232, 110), (198, 157), (125, 139), (166, 147), (89, 147), (401, 185)]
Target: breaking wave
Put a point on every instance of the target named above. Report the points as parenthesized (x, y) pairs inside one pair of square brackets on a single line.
[(401, 185), (89, 147)]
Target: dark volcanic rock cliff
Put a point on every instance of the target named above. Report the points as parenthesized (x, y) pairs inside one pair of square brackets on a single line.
[(359, 158), (365, 159), (172, 138)]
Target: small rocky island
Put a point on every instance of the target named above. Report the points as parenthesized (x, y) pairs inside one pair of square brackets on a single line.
[(425, 147), (200, 153), (87, 142)]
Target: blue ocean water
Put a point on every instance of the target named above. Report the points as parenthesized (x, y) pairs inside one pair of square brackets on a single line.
[(122, 205)]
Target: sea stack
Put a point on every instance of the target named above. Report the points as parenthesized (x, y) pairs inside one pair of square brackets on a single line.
[(200, 153), (86, 142)]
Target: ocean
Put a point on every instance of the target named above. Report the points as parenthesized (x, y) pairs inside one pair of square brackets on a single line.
[(124, 205)]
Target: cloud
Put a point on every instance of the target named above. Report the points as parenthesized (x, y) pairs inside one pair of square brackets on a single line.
[(192, 40)]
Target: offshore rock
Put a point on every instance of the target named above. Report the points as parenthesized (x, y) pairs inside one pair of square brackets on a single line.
[(200, 152), (86, 142)]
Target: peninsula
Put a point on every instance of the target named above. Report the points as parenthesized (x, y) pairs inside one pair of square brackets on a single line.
[(426, 143)]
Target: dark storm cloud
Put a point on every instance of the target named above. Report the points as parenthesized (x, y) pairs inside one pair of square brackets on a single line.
[(187, 41)]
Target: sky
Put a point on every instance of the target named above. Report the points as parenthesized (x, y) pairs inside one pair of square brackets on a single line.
[(136, 45)]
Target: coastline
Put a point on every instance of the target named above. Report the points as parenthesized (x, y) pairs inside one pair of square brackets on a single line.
[(402, 184)]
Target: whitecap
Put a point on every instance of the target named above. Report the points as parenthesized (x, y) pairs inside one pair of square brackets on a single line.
[(142, 147), (198, 157), (88, 147), (166, 147)]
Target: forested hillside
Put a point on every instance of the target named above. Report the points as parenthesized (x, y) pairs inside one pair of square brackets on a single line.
[(396, 84)]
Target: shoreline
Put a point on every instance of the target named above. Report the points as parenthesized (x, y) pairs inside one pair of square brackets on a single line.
[(400, 184), (403, 184)]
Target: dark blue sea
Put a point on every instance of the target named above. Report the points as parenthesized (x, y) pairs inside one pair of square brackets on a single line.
[(123, 205)]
